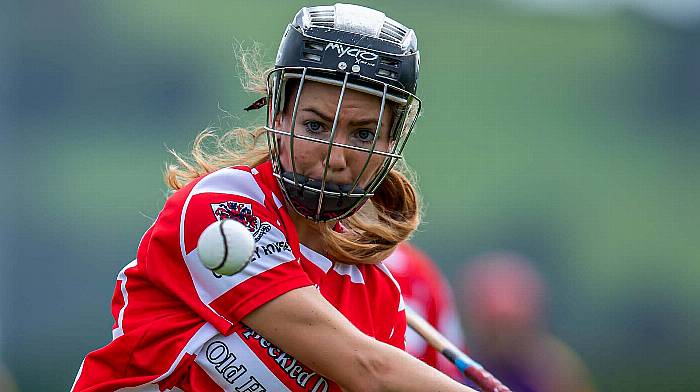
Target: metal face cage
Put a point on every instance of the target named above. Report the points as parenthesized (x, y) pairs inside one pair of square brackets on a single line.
[(319, 199)]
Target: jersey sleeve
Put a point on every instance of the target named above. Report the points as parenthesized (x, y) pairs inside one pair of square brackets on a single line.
[(173, 262)]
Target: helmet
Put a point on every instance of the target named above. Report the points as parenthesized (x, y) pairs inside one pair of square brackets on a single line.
[(353, 48)]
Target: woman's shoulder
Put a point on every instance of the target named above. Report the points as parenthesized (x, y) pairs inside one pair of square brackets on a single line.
[(373, 276), (237, 181), (383, 285), (369, 276)]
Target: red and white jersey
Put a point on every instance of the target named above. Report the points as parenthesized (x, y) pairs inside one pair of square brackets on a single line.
[(177, 324), (426, 291)]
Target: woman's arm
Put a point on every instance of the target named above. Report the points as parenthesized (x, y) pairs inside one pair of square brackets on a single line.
[(302, 323)]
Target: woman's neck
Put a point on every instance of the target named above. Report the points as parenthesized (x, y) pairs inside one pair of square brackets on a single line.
[(308, 231)]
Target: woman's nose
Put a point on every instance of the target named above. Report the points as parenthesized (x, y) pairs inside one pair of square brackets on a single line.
[(338, 157)]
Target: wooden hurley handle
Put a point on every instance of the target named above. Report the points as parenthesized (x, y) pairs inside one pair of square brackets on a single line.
[(485, 380)]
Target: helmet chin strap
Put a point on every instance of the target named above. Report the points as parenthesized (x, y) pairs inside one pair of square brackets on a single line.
[(305, 192)]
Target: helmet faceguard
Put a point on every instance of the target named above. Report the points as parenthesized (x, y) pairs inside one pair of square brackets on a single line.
[(352, 48)]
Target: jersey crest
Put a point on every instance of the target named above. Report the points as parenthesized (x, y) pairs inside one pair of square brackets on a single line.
[(242, 213)]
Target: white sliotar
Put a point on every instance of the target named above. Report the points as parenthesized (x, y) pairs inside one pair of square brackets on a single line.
[(225, 247)]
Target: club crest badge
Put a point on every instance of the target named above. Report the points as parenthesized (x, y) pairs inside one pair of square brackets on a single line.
[(242, 213)]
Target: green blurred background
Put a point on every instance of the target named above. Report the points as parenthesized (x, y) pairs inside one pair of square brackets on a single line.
[(568, 134)]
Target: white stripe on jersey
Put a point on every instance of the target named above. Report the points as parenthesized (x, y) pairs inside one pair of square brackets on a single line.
[(193, 346), (229, 181), (204, 333), (232, 365), (383, 268), (318, 259), (278, 203), (350, 270), (77, 376), (119, 330), (325, 264), (268, 254)]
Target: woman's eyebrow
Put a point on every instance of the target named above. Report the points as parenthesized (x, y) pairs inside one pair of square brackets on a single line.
[(329, 119), (323, 116)]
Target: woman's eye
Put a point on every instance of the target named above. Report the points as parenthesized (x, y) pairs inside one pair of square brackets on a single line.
[(365, 135), (313, 126)]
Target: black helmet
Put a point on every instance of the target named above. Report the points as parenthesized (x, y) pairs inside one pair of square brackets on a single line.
[(355, 48)]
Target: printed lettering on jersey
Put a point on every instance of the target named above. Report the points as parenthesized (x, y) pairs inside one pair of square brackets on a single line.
[(234, 368), (245, 361), (242, 213), (270, 249), (294, 373)]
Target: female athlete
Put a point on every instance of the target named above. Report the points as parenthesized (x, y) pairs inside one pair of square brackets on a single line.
[(315, 310)]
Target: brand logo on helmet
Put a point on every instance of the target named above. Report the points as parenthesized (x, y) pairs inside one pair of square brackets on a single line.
[(242, 213), (361, 56)]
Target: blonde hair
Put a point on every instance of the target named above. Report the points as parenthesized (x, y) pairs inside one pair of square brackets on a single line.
[(369, 236)]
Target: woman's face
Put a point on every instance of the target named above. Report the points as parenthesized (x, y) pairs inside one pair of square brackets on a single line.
[(357, 124)]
